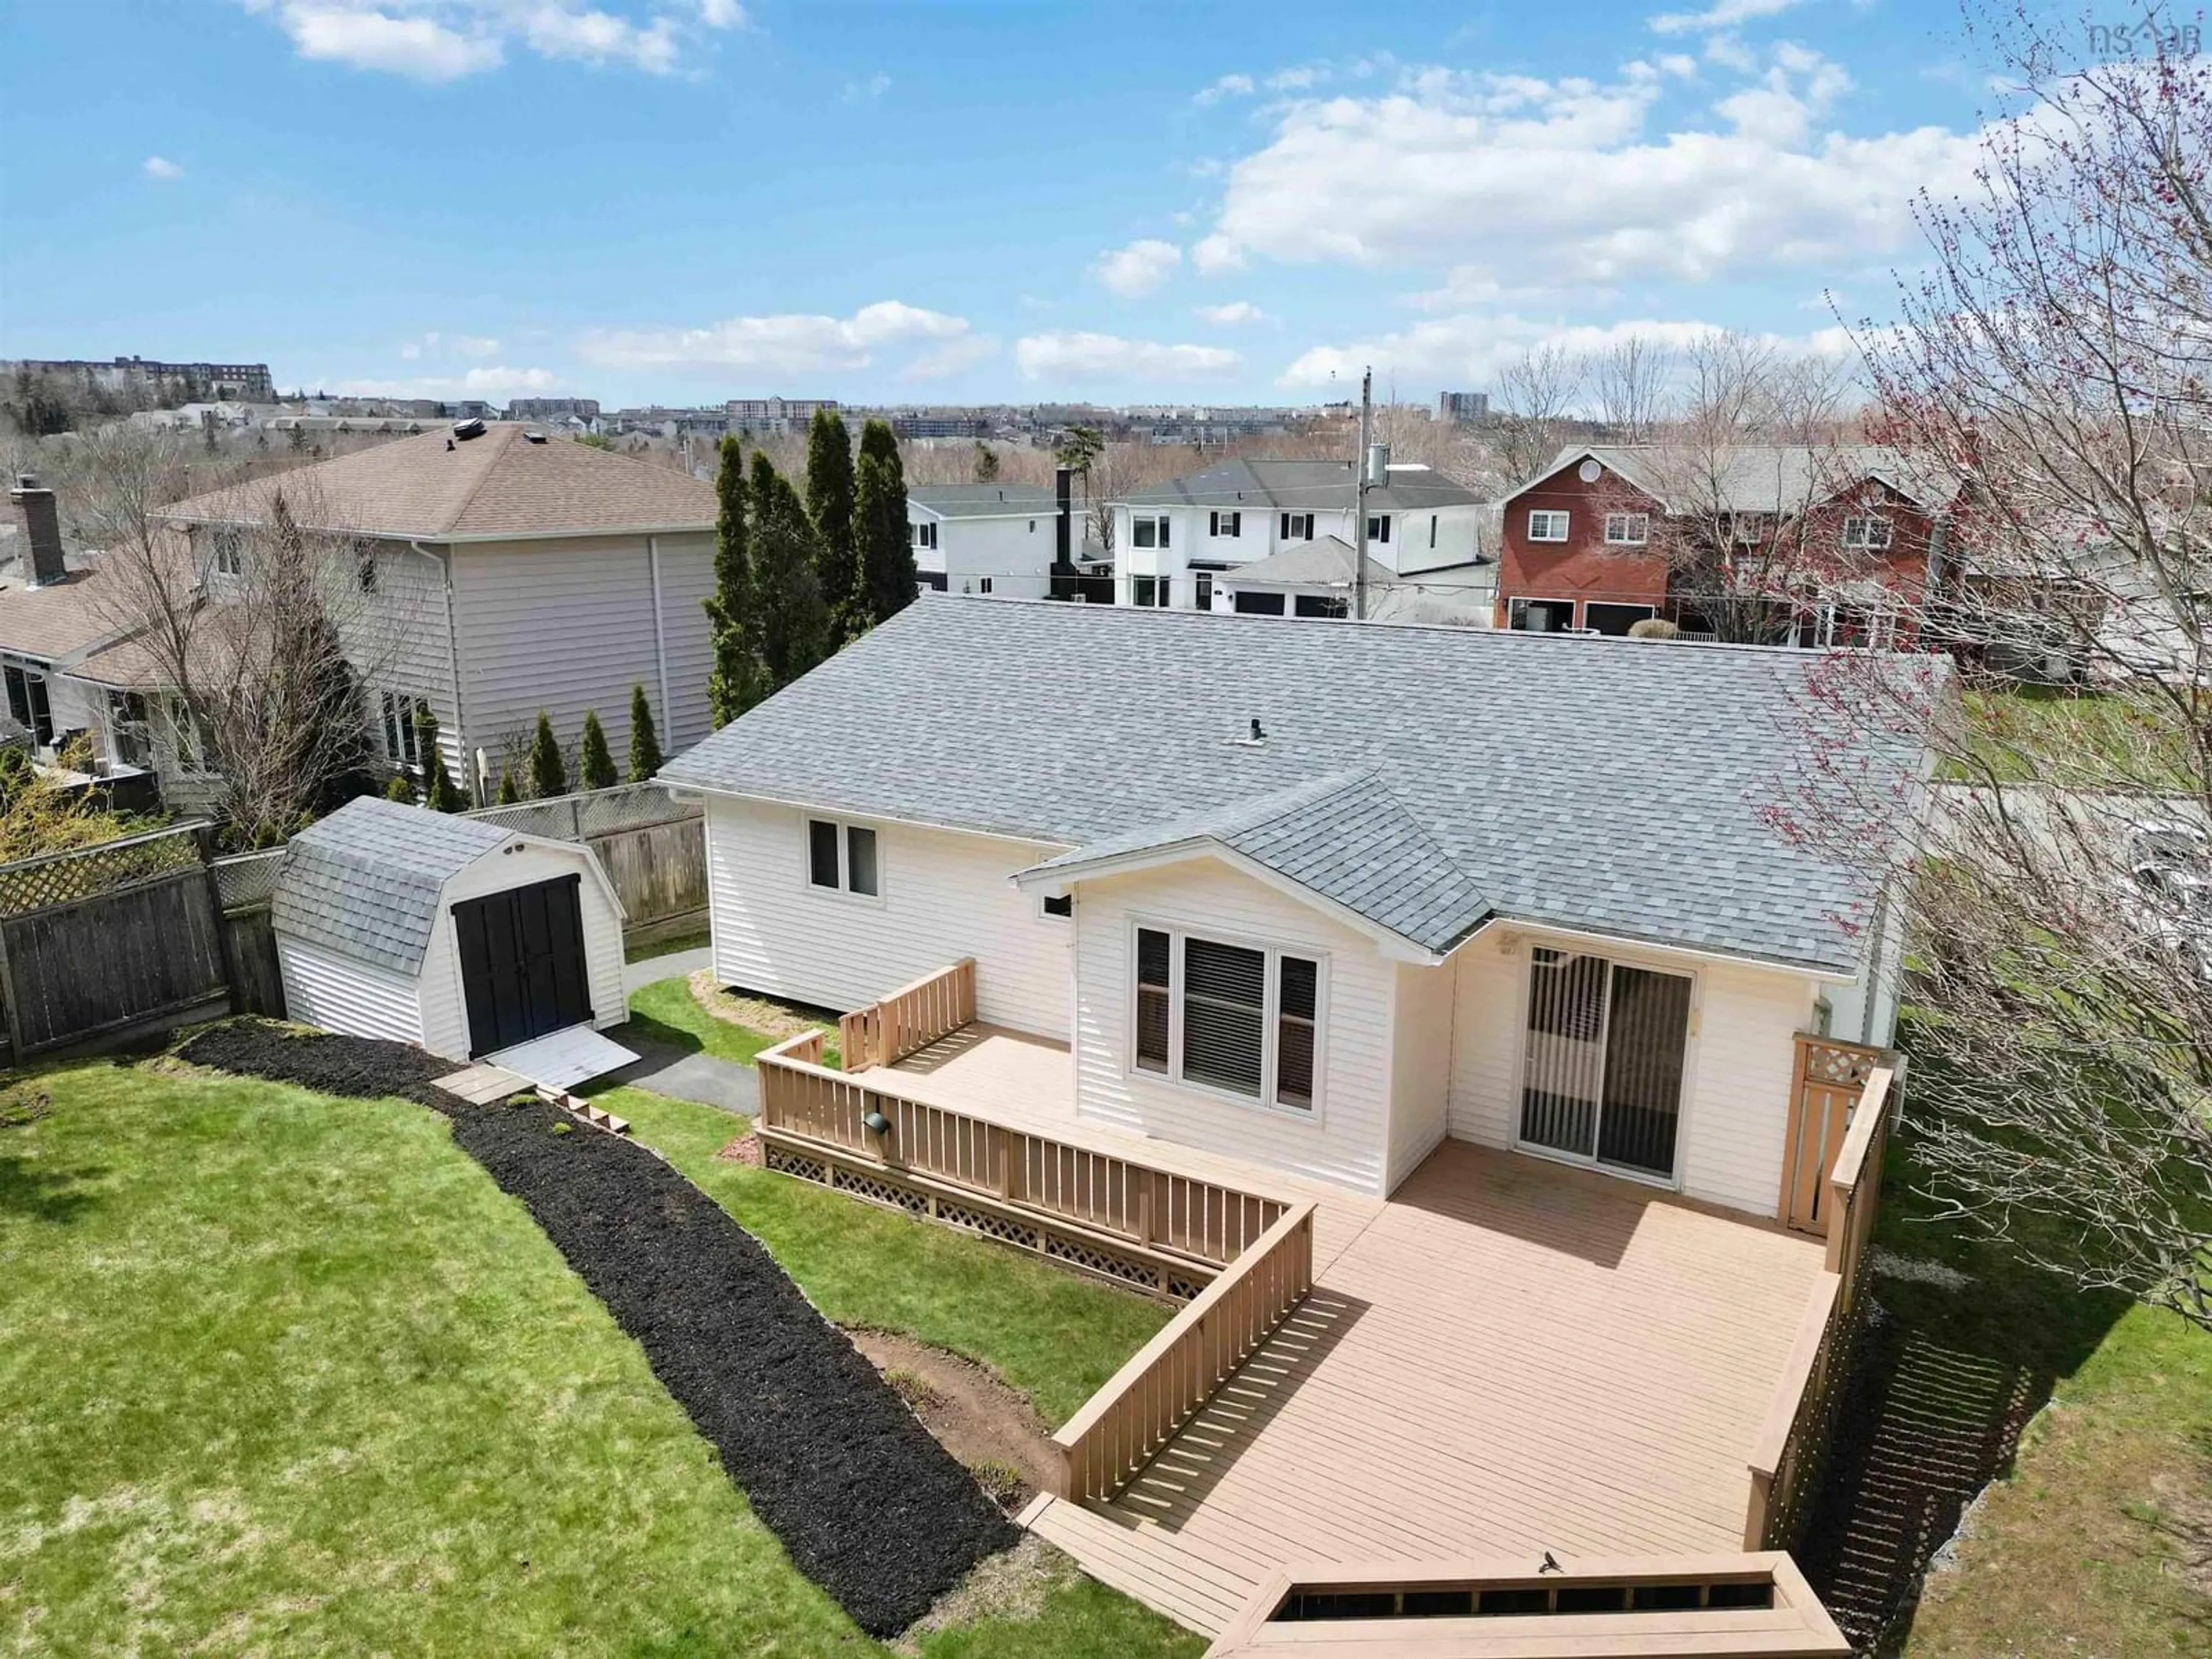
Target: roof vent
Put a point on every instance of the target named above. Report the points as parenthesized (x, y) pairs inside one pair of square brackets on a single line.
[(1258, 737), (471, 428), (533, 436)]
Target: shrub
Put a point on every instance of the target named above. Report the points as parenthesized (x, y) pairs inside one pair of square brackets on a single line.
[(401, 789), (549, 773), (597, 767), (644, 741), (1654, 628)]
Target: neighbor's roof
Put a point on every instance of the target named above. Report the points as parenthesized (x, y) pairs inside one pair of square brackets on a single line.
[(977, 501), (497, 485), (365, 881), (1326, 562), (1616, 785), (51, 622), (1777, 479), (1345, 837), (1297, 487)]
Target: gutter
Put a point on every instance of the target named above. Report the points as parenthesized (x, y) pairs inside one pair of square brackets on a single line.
[(445, 562)]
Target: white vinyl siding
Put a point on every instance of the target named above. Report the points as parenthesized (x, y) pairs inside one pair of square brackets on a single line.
[(1342, 1140), (1743, 1024), (337, 992), (944, 896), (445, 1007), (687, 576), (1421, 1066)]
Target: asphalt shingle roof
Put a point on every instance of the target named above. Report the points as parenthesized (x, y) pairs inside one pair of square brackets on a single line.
[(365, 881), (1344, 836), (1300, 486), (1616, 786), (1318, 563), (499, 484), (992, 500), (1778, 478)]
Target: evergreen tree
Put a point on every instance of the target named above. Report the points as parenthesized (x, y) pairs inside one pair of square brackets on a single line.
[(787, 624), (401, 789), (548, 776), (829, 505), (596, 765), (644, 741), (440, 792), (886, 544), (987, 463), (510, 792), (733, 686)]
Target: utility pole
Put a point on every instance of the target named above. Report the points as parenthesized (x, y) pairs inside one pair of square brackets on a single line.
[(1360, 498)]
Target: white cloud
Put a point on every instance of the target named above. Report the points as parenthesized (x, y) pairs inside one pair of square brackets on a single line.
[(492, 384), (1236, 312), (1229, 86), (1722, 15), (794, 343), (955, 356), (432, 343), (1139, 268), (1471, 347), (874, 87), (445, 39), (160, 167), (1069, 357), (1512, 178)]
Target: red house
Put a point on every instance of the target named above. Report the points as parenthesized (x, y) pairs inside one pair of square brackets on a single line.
[(1821, 545)]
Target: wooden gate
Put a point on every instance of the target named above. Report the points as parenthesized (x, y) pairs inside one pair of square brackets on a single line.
[(1824, 1088)]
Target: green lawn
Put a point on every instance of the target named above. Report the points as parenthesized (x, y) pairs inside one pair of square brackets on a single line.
[(666, 1009), (289, 1375), (697, 940), (2087, 739), (2097, 1540), (1056, 1336)]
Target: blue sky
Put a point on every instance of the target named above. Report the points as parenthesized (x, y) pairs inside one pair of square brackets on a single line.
[(686, 200)]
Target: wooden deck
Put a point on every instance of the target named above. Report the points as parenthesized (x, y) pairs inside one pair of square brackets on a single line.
[(1507, 1357)]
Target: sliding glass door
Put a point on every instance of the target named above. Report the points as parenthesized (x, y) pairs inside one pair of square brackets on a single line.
[(1601, 1078)]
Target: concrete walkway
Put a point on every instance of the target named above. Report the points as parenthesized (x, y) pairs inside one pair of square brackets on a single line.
[(651, 970)]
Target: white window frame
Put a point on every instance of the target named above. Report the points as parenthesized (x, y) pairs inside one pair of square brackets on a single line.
[(190, 739), (843, 890), (1271, 1019), (983, 584), (1296, 527), (395, 711), (925, 533), (1378, 527), (1868, 533), (1160, 587), (1549, 516), (1628, 529), (1216, 519), (1520, 606), (1068, 917), (227, 554), (1158, 523)]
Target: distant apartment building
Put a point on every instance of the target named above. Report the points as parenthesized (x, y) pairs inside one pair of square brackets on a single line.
[(163, 382), (553, 409), (1463, 406), (774, 417), (665, 422)]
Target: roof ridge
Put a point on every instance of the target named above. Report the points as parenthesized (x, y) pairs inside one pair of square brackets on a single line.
[(509, 431)]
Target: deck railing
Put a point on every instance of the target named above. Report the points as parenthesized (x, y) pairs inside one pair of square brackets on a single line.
[(824, 1115), (911, 1018), (1787, 1457), (1171, 1378)]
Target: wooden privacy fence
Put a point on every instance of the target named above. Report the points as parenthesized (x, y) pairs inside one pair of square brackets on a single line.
[(653, 847), (1825, 1085), (910, 1018), (1090, 1208), (1786, 1458), (1171, 1378), (105, 938)]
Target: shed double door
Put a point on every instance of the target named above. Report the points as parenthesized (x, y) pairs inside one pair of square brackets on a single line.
[(523, 971)]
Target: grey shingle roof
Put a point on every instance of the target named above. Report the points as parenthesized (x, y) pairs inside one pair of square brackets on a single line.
[(1778, 478), (1316, 563), (1616, 786), (1344, 836), (1297, 487), (990, 500), (365, 881)]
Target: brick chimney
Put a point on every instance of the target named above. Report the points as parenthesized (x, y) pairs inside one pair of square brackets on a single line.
[(42, 527)]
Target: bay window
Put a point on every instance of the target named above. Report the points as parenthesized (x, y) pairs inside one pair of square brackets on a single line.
[(1240, 1019)]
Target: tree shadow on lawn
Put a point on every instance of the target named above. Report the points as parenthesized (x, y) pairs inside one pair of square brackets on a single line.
[(43, 1193), (1947, 1376)]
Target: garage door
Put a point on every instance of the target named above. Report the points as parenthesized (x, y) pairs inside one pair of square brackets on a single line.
[(522, 964)]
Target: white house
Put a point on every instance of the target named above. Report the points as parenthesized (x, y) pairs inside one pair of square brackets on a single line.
[(397, 922), (1180, 545), (502, 574), (1318, 897), (984, 538)]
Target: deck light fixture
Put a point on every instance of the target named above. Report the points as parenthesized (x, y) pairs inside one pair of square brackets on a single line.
[(876, 1124)]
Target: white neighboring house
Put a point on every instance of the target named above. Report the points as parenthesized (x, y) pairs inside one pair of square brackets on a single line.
[(508, 573), (1318, 897), (995, 539), (1180, 545), (397, 922)]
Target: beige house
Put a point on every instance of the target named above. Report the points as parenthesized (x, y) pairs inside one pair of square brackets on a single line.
[(502, 574)]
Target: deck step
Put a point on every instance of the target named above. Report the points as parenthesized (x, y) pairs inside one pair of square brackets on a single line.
[(584, 1111), (1142, 1561)]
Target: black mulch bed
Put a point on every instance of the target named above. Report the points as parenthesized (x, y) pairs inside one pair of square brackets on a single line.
[(867, 1504)]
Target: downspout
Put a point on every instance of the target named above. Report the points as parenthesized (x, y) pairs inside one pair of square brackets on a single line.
[(659, 628), (445, 562)]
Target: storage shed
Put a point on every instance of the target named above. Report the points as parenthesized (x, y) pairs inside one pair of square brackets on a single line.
[(396, 921)]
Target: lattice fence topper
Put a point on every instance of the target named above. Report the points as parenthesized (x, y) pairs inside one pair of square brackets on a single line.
[(88, 871), (248, 879), (1838, 1066)]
